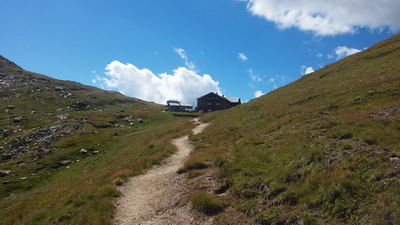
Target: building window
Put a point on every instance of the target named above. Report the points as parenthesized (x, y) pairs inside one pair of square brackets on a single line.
[(217, 103), (209, 103)]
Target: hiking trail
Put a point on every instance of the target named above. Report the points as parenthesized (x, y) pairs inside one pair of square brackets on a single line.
[(160, 196)]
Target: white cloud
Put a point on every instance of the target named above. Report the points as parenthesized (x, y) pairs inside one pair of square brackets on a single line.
[(183, 84), (258, 94), (329, 17), (182, 53), (343, 51), (254, 77), (242, 56), (272, 79), (306, 70)]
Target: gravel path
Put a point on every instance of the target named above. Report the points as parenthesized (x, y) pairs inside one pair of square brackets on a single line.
[(160, 196)]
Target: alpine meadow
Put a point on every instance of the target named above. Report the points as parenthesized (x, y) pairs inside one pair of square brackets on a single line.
[(324, 149)]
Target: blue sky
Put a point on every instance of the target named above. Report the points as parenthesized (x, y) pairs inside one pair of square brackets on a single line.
[(181, 49)]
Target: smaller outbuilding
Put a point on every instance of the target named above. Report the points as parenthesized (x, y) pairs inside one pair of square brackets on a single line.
[(176, 106)]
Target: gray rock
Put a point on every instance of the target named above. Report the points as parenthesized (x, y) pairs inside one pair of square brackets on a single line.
[(59, 88), (83, 151), (22, 165), (10, 107), (17, 119), (395, 159), (4, 173), (6, 156), (80, 104), (6, 182), (139, 121), (64, 162)]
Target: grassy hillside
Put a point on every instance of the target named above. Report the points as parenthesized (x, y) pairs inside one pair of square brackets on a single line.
[(64, 147), (324, 149)]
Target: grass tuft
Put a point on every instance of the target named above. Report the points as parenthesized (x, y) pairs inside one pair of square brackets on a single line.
[(206, 203)]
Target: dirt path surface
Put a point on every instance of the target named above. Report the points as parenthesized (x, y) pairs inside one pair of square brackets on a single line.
[(160, 196)]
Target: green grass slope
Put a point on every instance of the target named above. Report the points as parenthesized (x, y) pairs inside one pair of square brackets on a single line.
[(46, 177), (324, 149)]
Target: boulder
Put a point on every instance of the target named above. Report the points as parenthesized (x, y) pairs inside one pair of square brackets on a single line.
[(4, 173), (6, 156), (64, 162), (139, 121), (395, 159), (83, 151)]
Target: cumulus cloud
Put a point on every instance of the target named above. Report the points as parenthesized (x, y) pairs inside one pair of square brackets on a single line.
[(254, 77), (306, 70), (183, 84), (343, 51), (182, 53), (258, 94), (242, 56), (329, 17)]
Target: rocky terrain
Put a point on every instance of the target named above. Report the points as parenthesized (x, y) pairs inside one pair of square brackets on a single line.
[(37, 111)]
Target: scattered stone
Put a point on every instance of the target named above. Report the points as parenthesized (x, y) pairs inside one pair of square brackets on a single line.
[(80, 104), (6, 182), (5, 133), (95, 152), (84, 133), (17, 119), (22, 165), (59, 88), (83, 151), (6, 156), (95, 132), (10, 107), (63, 116), (23, 178), (4, 173), (64, 162), (33, 112), (139, 121), (395, 159)]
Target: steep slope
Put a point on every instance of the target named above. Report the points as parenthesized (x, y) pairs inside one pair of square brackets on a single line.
[(321, 150), (64, 146)]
